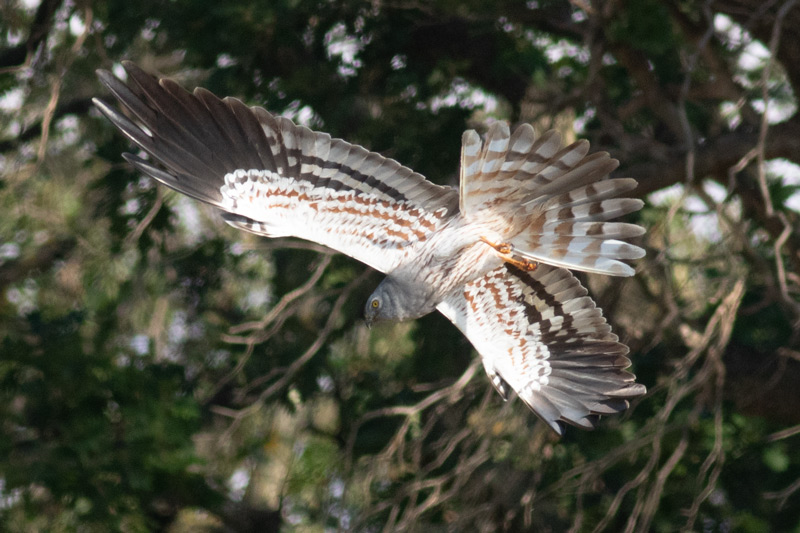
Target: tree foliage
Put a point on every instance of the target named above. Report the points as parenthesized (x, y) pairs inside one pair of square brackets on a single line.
[(160, 371)]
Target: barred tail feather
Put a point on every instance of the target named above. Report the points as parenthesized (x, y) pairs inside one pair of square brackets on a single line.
[(553, 204)]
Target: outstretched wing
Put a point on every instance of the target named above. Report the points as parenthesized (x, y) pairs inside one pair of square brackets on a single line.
[(551, 203), (540, 335), (273, 177)]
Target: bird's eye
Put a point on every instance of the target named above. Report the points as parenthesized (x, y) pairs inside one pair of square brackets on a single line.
[(375, 304)]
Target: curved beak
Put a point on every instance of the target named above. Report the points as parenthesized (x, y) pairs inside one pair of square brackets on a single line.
[(369, 315)]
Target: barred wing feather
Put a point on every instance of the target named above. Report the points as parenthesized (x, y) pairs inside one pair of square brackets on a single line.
[(273, 177), (540, 335)]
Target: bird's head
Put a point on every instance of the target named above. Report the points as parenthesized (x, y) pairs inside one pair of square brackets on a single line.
[(380, 305), (395, 300)]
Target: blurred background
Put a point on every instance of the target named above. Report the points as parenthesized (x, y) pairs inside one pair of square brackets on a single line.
[(160, 371)]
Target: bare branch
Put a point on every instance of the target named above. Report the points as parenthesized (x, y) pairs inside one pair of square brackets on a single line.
[(40, 28)]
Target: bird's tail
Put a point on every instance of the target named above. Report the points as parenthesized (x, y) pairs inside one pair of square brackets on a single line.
[(548, 203)]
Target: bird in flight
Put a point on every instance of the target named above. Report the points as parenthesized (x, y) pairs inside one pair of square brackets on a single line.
[(493, 256)]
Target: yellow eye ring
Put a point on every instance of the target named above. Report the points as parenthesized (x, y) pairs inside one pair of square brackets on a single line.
[(375, 304)]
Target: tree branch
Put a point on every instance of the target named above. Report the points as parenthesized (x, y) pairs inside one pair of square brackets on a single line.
[(40, 29), (665, 167), (79, 106), (760, 19)]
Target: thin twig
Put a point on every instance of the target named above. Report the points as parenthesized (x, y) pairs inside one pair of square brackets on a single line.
[(764, 127), (55, 88)]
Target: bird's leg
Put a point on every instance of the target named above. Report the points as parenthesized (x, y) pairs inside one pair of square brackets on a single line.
[(506, 251), (503, 247), (522, 263)]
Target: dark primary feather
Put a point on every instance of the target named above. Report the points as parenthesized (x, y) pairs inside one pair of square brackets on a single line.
[(199, 138)]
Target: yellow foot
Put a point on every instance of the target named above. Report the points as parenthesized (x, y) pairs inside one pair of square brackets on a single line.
[(520, 262), (504, 248), (506, 253)]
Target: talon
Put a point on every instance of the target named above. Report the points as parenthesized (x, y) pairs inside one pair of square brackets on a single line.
[(503, 248), (523, 264)]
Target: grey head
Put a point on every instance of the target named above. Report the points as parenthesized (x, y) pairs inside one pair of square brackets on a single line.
[(397, 299)]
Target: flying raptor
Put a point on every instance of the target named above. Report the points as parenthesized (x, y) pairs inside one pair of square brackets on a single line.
[(494, 256)]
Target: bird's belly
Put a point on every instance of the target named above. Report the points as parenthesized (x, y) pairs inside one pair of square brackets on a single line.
[(453, 262)]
